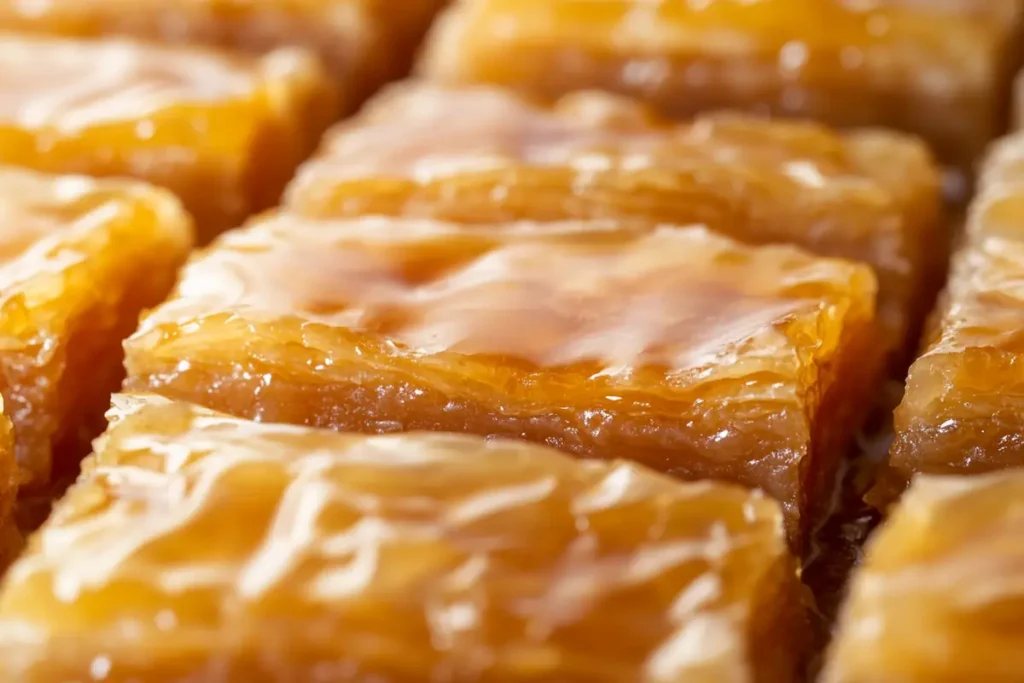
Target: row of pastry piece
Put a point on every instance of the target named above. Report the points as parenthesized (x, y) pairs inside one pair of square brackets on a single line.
[(460, 259), (199, 546), (939, 595), (217, 101), (940, 70), (595, 325)]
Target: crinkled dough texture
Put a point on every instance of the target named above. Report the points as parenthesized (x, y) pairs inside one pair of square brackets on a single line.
[(363, 42), (692, 353), (79, 260), (480, 155), (224, 132), (962, 411), (938, 69), (938, 597), (202, 547)]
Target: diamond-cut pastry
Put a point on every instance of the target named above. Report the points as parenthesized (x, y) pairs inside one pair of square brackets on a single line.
[(938, 597), (79, 260), (222, 131), (963, 411), (681, 349), (938, 69), (202, 547), (363, 42), (478, 155)]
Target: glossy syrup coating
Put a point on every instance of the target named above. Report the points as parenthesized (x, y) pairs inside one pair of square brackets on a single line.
[(363, 42), (202, 547), (939, 596), (222, 131), (79, 259), (937, 68), (480, 155), (686, 351), (962, 411)]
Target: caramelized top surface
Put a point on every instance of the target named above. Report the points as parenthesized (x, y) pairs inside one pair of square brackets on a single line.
[(948, 31), (427, 133), (72, 84), (578, 293), (937, 596), (196, 542), (42, 217)]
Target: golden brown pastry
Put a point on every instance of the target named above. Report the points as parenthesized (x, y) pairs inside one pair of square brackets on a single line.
[(962, 411), (202, 547), (937, 68), (363, 42), (223, 132), (79, 259), (938, 597)]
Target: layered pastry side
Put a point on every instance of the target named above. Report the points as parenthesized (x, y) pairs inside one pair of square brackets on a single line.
[(962, 411), (364, 43), (938, 597), (937, 69), (224, 132), (198, 546), (79, 260), (678, 348), (480, 155)]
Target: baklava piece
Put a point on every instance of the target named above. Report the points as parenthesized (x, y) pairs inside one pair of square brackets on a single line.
[(224, 132), (937, 69), (480, 155), (79, 260), (684, 350), (938, 597), (963, 410), (202, 547), (364, 43)]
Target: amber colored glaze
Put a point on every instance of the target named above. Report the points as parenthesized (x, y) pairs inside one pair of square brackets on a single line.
[(962, 411), (206, 548), (79, 260), (480, 155), (364, 43), (939, 596), (224, 132), (683, 350), (937, 68)]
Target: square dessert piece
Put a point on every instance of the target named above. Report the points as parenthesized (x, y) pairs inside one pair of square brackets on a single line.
[(224, 132), (203, 547), (938, 597), (937, 69), (363, 42), (79, 260), (681, 349), (481, 155), (963, 409)]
